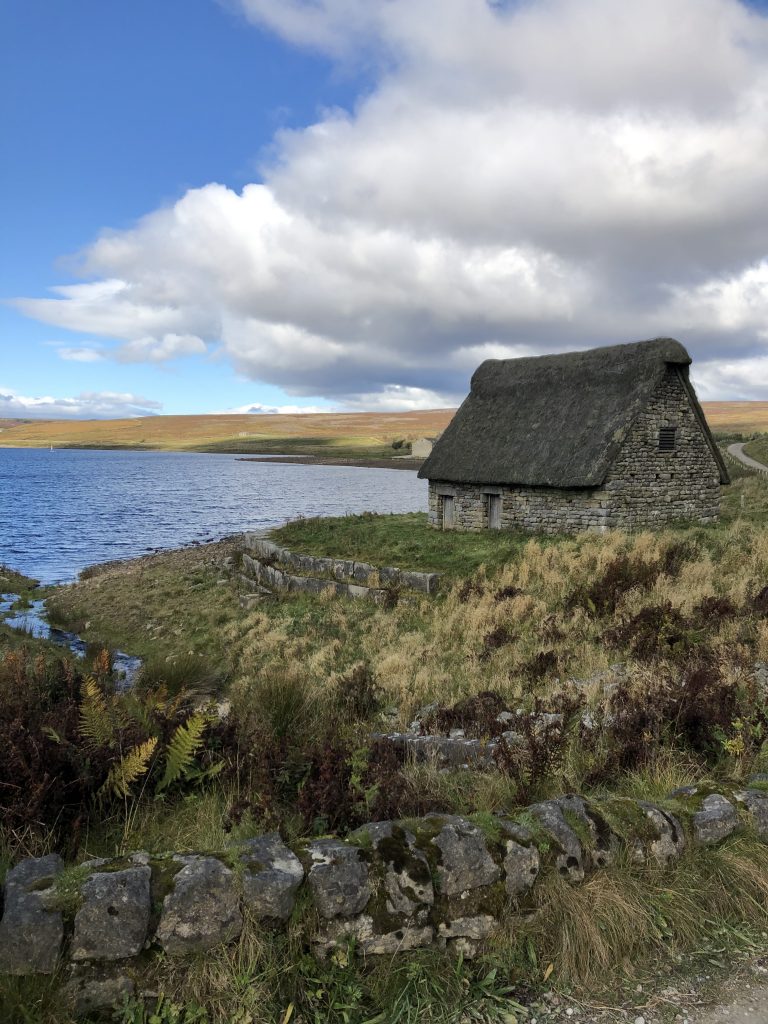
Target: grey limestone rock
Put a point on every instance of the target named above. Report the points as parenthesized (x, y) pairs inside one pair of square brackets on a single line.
[(407, 877), (424, 582), (272, 876), (338, 878), (756, 802), (96, 994), (478, 927), (30, 934), (671, 840), (716, 820), (362, 572), (761, 677), (605, 844), (462, 935), (522, 862), (202, 910), (113, 920), (571, 860), (465, 862), (369, 940)]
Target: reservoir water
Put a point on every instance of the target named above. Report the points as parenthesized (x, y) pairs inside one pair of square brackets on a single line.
[(63, 510)]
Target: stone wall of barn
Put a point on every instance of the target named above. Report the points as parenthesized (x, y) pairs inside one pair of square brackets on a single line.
[(540, 509), (645, 486)]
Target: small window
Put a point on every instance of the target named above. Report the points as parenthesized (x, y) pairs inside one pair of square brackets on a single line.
[(667, 439), (449, 511), (494, 511)]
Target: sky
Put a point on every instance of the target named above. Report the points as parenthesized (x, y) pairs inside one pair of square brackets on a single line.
[(263, 205)]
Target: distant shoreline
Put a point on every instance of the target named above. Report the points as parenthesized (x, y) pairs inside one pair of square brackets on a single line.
[(319, 460)]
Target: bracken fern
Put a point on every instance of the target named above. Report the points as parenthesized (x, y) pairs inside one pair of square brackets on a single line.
[(128, 770)]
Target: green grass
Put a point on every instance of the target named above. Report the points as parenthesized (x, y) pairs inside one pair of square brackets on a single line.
[(404, 541), (168, 608), (758, 449), (12, 582)]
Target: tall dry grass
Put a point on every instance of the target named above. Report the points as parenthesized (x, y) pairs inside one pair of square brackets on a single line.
[(487, 633)]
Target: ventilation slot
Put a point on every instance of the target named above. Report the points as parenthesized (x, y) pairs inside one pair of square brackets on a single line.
[(667, 439)]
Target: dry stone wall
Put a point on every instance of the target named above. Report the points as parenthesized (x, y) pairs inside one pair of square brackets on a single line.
[(271, 565), (442, 880), (644, 487)]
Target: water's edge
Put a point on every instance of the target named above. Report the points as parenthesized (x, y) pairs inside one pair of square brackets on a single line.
[(33, 621)]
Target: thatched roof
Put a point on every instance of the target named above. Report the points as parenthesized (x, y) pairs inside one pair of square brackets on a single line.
[(555, 421)]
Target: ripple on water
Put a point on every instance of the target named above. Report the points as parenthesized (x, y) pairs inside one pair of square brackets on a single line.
[(61, 511)]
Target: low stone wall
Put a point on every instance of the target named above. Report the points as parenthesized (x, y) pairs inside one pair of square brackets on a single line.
[(303, 573), (393, 886), (270, 576)]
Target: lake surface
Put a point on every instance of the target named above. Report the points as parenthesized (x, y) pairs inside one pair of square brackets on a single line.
[(63, 510)]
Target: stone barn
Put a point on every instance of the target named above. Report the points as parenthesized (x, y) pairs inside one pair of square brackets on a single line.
[(611, 437)]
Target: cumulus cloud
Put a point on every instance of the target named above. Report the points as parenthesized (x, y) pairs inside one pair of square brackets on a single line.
[(522, 177), (87, 405)]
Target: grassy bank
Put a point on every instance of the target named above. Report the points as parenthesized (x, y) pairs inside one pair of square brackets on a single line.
[(684, 612), (758, 449)]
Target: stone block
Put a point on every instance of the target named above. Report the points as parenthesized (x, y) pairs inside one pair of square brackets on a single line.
[(362, 572), (756, 803), (407, 876), (338, 878), (670, 841), (522, 862), (113, 919), (370, 940), (97, 994), (31, 934), (465, 862), (716, 820), (202, 910), (271, 878), (571, 861)]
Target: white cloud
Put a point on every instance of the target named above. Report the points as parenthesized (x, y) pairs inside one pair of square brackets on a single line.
[(256, 408), (84, 354), (396, 398), (87, 405), (736, 302), (160, 350), (523, 177), (742, 380)]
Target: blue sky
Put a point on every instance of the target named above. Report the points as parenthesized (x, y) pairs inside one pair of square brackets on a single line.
[(345, 204), (108, 111)]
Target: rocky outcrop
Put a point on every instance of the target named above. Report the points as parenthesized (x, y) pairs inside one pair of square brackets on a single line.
[(442, 880)]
